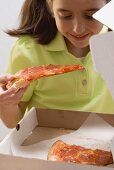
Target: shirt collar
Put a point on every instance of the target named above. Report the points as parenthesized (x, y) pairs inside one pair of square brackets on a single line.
[(104, 29), (57, 44)]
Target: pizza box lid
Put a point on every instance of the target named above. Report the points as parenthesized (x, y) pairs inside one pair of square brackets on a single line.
[(102, 46), (102, 49), (106, 15), (12, 151)]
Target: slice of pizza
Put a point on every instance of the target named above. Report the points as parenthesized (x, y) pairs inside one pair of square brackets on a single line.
[(26, 75), (61, 151)]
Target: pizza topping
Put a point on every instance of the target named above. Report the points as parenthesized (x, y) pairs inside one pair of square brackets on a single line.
[(48, 70), (26, 75), (78, 154)]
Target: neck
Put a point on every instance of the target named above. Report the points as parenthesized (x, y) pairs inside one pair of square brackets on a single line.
[(77, 52)]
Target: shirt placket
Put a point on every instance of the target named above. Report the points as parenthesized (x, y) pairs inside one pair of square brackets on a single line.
[(83, 82)]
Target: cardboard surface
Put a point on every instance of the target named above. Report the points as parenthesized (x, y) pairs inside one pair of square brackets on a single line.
[(106, 15), (19, 163), (102, 49), (29, 163), (67, 119)]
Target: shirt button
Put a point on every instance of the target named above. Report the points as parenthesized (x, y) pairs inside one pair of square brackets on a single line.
[(84, 82)]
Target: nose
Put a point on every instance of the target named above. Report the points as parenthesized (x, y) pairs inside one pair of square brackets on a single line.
[(78, 26)]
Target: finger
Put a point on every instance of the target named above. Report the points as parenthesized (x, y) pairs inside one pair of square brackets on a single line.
[(12, 91), (20, 93), (15, 95), (14, 98), (5, 93), (12, 95), (6, 78), (1, 89)]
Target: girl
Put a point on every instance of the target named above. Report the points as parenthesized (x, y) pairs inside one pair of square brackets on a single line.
[(56, 32)]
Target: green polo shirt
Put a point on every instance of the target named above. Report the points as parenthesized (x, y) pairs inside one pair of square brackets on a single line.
[(78, 91)]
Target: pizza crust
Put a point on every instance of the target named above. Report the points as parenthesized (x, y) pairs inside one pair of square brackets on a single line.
[(51, 153), (18, 83)]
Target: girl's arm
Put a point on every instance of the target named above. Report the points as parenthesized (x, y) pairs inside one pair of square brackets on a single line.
[(11, 115), (11, 109)]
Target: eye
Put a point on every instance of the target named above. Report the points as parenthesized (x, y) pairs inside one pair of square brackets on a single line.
[(89, 17), (65, 16)]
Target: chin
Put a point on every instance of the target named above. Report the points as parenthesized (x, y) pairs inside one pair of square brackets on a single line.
[(78, 45)]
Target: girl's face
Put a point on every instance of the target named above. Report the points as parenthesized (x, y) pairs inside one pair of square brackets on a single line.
[(74, 20)]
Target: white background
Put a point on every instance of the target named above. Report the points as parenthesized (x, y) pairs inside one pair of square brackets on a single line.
[(9, 18)]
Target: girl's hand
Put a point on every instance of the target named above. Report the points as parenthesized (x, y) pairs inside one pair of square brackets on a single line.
[(10, 111), (4, 80), (12, 96)]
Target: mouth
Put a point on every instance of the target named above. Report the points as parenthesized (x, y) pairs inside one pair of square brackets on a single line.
[(80, 37)]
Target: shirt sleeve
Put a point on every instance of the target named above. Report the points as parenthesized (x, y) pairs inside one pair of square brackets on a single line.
[(21, 57)]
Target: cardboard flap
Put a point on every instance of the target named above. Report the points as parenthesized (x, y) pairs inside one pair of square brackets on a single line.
[(5, 145), (106, 15), (112, 147), (66, 119), (102, 49), (61, 118), (26, 125)]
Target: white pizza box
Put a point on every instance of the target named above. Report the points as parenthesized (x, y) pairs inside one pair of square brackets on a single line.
[(3, 131), (102, 49), (106, 15), (26, 147)]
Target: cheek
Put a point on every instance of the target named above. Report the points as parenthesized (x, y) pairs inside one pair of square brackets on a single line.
[(62, 26), (96, 27)]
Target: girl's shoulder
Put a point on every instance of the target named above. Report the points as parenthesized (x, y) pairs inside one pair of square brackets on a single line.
[(29, 42), (24, 47), (25, 40)]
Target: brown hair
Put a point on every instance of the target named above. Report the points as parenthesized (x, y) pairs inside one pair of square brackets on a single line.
[(37, 21)]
